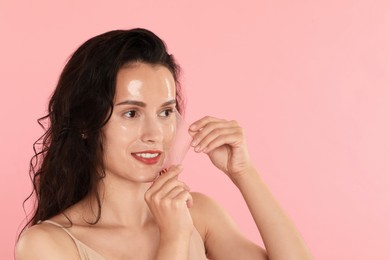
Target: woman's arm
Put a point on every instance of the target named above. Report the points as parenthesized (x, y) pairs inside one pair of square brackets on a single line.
[(281, 239), (224, 143), (222, 238)]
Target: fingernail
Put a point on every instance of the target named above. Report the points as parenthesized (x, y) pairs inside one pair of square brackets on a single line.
[(197, 149), (164, 170), (195, 142), (192, 127)]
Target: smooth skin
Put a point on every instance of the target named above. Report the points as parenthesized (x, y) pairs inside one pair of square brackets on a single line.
[(147, 216)]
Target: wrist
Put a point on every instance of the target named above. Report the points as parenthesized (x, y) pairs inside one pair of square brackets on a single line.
[(249, 174), (173, 247), (178, 237)]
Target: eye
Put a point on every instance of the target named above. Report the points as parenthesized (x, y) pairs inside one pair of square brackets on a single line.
[(131, 114), (166, 112)]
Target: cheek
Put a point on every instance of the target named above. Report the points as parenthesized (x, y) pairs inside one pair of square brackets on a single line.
[(120, 136), (169, 133)]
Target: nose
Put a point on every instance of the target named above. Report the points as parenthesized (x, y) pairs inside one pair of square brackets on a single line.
[(151, 130)]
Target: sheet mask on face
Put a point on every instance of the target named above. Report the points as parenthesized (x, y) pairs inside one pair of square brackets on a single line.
[(180, 144)]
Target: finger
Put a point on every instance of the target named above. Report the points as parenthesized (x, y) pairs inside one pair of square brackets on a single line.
[(197, 138), (171, 185), (168, 200), (168, 191), (172, 173), (166, 174), (211, 127), (183, 198), (214, 134), (174, 192), (199, 124), (231, 139)]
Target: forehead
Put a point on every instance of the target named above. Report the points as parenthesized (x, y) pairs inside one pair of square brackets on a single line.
[(141, 81)]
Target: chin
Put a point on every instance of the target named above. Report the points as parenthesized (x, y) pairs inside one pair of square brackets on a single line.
[(149, 175)]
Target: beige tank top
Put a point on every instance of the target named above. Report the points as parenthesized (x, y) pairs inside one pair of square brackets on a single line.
[(87, 253)]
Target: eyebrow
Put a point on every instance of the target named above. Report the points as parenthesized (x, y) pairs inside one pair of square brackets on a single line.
[(142, 104)]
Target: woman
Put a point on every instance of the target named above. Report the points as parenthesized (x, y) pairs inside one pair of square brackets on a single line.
[(101, 190)]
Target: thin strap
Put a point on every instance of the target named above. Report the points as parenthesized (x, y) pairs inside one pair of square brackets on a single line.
[(85, 252), (62, 227)]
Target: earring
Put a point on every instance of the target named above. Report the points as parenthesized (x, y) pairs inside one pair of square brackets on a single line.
[(84, 136)]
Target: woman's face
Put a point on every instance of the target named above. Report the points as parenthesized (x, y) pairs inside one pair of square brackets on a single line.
[(140, 130)]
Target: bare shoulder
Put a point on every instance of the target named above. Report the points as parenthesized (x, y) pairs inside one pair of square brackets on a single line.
[(204, 206), (203, 202), (45, 241), (206, 212)]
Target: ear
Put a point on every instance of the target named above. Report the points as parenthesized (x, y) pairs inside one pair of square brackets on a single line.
[(84, 135)]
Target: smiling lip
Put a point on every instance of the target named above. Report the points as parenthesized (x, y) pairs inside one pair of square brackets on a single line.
[(147, 157)]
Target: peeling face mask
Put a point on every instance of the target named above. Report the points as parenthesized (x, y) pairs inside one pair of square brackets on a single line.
[(180, 144)]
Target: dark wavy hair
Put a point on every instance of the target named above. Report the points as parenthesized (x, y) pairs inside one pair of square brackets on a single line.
[(67, 164)]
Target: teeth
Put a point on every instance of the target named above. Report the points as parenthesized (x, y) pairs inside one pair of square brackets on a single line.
[(147, 155)]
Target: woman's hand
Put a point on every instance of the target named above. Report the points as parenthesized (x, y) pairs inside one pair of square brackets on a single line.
[(224, 142), (168, 200)]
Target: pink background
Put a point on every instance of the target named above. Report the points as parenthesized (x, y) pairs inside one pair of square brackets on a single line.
[(308, 80)]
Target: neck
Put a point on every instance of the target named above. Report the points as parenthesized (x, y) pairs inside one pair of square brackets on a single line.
[(122, 203)]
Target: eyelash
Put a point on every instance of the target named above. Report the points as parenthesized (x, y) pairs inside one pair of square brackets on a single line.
[(169, 110), (131, 111), (135, 113)]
